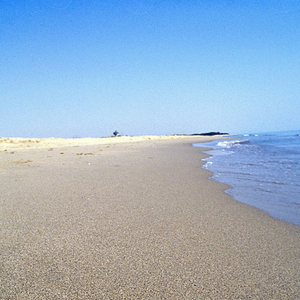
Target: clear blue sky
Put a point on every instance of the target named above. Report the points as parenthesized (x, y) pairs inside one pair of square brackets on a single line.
[(78, 68)]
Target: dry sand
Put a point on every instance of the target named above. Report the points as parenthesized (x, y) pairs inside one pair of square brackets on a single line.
[(133, 220)]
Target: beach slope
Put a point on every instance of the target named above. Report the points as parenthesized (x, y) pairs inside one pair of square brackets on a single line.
[(137, 219)]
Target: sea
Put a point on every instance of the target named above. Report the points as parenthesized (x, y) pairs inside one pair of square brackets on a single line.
[(263, 170)]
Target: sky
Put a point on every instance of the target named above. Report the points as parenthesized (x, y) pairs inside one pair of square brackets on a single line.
[(85, 68)]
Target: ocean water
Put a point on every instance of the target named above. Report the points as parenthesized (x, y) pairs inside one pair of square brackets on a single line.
[(262, 169)]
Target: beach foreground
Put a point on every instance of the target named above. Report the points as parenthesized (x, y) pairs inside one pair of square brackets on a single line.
[(137, 219)]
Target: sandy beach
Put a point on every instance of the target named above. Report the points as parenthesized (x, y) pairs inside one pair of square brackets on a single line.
[(133, 218)]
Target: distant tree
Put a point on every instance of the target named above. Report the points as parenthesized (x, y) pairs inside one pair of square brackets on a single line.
[(115, 133)]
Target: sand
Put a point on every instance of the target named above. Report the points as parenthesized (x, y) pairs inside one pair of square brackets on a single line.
[(133, 218)]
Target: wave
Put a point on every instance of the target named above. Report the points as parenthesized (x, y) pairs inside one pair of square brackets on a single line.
[(250, 134), (230, 144)]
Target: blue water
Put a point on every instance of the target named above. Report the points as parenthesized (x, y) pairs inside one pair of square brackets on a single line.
[(262, 169)]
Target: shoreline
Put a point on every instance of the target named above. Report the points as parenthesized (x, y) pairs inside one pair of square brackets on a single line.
[(135, 220), (216, 167)]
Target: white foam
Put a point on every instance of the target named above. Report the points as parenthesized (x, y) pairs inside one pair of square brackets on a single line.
[(229, 144)]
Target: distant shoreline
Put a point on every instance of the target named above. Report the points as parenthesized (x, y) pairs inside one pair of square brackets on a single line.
[(8, 143)]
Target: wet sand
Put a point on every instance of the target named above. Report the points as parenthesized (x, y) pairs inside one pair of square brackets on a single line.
[(133, 219)]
